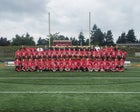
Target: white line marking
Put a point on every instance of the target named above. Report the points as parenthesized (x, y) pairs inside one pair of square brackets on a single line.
[(73, 78), (64, 92)]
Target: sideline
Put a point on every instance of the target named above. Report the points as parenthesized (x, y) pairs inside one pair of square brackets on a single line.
[(69, 78), (64, 92)]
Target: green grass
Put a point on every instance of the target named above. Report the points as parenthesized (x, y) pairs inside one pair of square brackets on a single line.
[(65, 82)]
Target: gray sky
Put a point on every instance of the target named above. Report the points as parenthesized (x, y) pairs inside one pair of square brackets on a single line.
[(68, 17)]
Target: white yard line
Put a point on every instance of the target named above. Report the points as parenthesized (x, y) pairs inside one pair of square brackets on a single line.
[(64, 92), (73, 78)]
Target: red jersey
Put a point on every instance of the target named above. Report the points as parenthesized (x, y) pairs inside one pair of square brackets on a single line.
[(41, 65), (17, 62), (30, 63), (113, 66), (107, 65), (18, 54), (121, 62), (24, 64)]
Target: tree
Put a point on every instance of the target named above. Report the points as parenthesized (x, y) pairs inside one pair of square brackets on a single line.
[(131, 38), (4, 41), (122, 38), (97, 36), (109, 38), (42, 41), (93, 31), (87, 41), (23, 40), (81, 39), (74, 41)]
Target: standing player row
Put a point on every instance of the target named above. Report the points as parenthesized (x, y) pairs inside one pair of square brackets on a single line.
[(103, 53)]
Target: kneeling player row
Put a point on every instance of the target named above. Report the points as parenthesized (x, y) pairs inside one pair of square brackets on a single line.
[(69, 65)]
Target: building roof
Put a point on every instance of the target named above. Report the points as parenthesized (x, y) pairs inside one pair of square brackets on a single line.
[(61, 40)]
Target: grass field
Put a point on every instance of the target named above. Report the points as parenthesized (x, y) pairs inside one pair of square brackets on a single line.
[(69, 91)]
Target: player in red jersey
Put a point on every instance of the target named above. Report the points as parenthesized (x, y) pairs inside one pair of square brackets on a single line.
[(60, 65), (36, 63), (24, 64), (113, 54), (59, 53), (93, 53), (78, 65), (18, 54), (119, 54), (113, 66), (23, 53), (69, 53), (83, 64), (124, 55), (53, 53), (40, 66), (107, 65), (56, 53), (17, 63), (31, 54), (53, 65), (117, 64), (40, 54), (64, 61), (69, 63), (67, 66), (64, 53), (108, 54), (73, 52), (103, 54), (84, 53), (98, 55), (49, 53), (121, 65), (74, 65), (96, 66), (102, 67), (49, 64), (89, 65), (31, 65)]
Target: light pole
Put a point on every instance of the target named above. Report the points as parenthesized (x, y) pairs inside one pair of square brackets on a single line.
[(89, 28), (49, 29)]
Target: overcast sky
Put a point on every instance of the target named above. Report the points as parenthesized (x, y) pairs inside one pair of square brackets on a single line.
[(68, 17)]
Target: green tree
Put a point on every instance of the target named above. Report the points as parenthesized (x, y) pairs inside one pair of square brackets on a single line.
[(74, 41), (97, 36), (122, 38), (52, 37), (109, 38), (81, 39), (23, 40), (42, 41), (131, 38), (87, 42), (4, 41)]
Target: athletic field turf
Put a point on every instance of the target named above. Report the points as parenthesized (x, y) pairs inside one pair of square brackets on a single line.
[(69, 91)]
